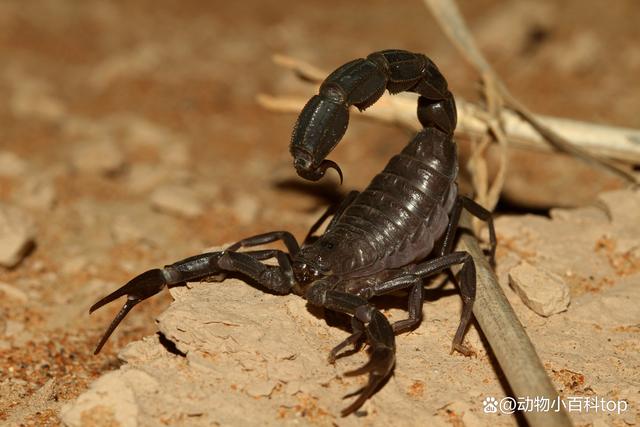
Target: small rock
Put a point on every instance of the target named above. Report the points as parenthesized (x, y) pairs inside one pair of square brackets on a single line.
[(13, 292), (580, 53), (176, 200), (74, 265), (124, 229), (13, 328), (16, 235), (31, 100), (143, 177), (98, 156), (542, 291), (510, 27), (37, 193), (260, 388), (175, 155), (137, 131), (11, 164)]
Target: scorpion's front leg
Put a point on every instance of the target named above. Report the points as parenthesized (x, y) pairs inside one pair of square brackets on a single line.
[(366, 320), (278, 279)]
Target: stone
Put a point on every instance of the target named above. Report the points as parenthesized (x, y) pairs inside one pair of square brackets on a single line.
[(37, 192), (542, 291), (11, 165), (176, 200), (13, 292), (17, 235), (100, 156)]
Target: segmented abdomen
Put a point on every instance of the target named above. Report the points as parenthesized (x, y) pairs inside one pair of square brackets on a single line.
[(405, 209)]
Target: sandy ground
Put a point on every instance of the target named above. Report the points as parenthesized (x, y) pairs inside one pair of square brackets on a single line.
[(130, 137)]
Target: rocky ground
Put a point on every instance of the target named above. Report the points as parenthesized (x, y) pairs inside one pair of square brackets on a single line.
[(130, 138)]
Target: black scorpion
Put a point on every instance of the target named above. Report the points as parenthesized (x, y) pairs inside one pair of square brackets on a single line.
[(387, 238)]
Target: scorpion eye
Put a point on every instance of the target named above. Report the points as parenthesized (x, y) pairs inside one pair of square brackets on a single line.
[(328, 245)]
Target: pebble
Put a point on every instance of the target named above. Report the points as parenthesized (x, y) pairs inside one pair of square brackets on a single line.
[(124, 229), (31, 100), (542, 291), (98, 156), (13, 328), (11, 165), (175, 155), (17, 235), (13, 292), (74, 265), (176, 200), (37, 192), (143, 177), (137, 131)]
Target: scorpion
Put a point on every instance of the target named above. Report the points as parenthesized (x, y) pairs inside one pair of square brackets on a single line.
[(387, 238)]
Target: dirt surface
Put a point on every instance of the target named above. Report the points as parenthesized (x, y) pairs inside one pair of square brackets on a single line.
[(130, 138), (264, 355)]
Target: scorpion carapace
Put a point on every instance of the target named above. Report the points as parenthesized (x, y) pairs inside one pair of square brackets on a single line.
[(387, 238)]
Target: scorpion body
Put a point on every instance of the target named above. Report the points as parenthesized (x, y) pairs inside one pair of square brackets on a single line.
[(389, 237)]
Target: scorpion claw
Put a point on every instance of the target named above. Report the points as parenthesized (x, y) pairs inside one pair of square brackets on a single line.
[(380, 364), (378, 367), (138, 289)]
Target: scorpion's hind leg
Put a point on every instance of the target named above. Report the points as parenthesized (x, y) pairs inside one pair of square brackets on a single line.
[(463, 202), (379, 335), (278, 279), (467, 284)]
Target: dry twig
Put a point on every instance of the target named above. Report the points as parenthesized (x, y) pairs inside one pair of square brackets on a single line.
[(451, 21), (510, 344)]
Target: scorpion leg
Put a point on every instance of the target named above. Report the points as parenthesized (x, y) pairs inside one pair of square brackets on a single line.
[(379, 335), (416, 298), (287, 238), (428, 268), (479, 212), (278, 279)]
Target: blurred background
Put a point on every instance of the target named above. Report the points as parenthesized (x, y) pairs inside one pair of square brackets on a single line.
[(130, 137)]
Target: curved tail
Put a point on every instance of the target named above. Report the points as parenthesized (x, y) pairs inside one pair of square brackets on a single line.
[(361, 82)]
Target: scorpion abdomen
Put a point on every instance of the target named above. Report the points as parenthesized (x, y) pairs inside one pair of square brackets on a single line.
[(404, 211)]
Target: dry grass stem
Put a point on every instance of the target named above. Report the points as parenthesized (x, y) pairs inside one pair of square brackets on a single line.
[(448, 16), (611, 142)]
